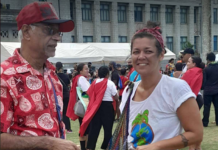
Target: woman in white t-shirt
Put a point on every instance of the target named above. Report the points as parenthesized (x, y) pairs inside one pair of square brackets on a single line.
[(78, 81), (100, 111), (159, 106)]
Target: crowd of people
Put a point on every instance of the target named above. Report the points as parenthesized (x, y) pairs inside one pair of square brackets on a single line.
[(154, 109)]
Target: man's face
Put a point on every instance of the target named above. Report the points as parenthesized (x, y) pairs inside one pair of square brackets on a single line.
[(185, 57), (129, 63), (110, 67), (44, 39)]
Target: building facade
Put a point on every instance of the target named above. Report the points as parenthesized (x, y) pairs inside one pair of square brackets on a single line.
[(117, 20)]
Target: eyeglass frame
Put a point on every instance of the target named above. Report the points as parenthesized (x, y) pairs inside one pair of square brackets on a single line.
[(49, 29)]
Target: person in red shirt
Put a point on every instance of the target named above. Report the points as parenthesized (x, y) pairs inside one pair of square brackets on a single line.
[(194, 76), (31, 93), (124, 80), (81, 81), (100, 111)]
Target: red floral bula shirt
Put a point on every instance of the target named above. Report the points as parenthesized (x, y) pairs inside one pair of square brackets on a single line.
[(27, 99)]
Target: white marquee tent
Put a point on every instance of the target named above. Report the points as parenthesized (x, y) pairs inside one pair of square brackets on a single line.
[(83, 52)]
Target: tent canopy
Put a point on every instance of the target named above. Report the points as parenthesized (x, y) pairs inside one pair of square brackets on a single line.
[(83, 52)]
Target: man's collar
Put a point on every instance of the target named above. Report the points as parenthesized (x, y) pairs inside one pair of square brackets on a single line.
[(24, 65)]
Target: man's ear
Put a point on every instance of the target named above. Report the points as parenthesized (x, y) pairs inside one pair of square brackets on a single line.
[(25, 30)]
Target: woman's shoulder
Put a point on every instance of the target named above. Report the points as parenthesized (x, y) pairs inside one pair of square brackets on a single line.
[(173, 83)]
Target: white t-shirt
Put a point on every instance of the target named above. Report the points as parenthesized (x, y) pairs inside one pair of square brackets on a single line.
[(183, 71), (83, 83), (155, 118), (110, 90)]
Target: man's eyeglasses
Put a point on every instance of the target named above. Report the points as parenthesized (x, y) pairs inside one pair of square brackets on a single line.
[(49, 30)]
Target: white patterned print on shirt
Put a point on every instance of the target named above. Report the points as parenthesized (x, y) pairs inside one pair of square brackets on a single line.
[(3, 92), (2, 70), (22, 69), (2, 108), (33, 82), (45, 121), (30, 121), (9, 115), (37, 100), (24, 104), (14, 98), (28, 133), (10, 71)]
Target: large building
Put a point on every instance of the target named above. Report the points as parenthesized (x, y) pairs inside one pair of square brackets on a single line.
[(117, 20)]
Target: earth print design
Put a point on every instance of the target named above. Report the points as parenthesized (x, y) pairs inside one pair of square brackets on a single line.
[(142, 132)]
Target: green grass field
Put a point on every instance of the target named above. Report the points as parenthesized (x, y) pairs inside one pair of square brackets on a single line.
[(210, 141)]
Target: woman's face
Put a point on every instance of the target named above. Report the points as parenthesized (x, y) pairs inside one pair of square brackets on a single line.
[(145, 57), (85, 71), (190, 63)]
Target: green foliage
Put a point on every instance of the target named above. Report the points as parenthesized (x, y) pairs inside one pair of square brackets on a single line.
[(187, 45)]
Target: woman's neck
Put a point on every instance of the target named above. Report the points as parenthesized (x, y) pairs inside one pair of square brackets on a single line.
[(149, 81)]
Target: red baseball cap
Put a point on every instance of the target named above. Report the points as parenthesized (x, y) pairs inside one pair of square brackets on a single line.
[(42, 12)]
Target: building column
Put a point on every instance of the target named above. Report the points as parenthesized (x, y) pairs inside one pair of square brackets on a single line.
[(212, 29), (176, 37), (147, 12), (206, 28), (191, 26), (65, 14), (131, 21), (114, 23), (97, 23), (78, 22), (163, 21)]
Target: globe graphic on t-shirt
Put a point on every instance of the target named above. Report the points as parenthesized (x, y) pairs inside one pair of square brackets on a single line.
[(142, 132)]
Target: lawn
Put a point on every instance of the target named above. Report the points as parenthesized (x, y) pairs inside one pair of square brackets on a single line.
[(210, 141)]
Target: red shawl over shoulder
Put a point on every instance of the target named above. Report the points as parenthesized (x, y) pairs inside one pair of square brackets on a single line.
[(194, 78), (72, 100), (96, 94)]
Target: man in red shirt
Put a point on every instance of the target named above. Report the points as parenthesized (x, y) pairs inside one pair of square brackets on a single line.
[(31, 93)]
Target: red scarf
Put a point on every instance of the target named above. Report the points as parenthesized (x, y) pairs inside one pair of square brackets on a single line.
[(96, 94), (194, 78), (73, 100)]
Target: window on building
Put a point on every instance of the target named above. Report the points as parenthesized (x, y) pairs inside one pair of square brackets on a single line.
[(183, 14), (4, 34), (169, 15), (215, 43), (122, 39), (195, 14), (72, 39), (183, 41), (154, 13), (195, 42), (105, 39), (170, 43), (121, 11), (71, 9), (15, 33), (86, 12), (104, 12), (138, 13), (215, 15), (87, 39)]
